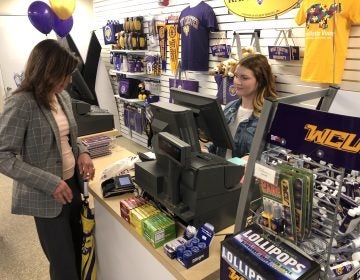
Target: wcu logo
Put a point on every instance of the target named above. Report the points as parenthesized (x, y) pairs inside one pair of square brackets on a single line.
[(335, 139)]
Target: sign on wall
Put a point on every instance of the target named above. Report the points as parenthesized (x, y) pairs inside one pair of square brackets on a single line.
[(258, 9), (325, 136)]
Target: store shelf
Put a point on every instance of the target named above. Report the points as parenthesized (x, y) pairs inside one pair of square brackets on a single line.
[(113, 72), (133, 100), (130, 51)]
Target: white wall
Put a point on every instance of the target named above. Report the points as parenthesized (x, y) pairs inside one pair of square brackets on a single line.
[(83, 20), (2, 92), (19, 37)]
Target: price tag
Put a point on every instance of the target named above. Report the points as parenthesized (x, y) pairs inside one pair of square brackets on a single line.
[(265, 173)]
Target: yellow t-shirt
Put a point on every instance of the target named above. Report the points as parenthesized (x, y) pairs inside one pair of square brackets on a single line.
[(327, 31)]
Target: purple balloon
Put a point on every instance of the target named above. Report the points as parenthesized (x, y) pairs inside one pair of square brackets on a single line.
[(41, 16), (62, 27)]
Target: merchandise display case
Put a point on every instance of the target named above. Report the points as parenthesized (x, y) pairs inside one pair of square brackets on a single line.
[(136, 76), (322, 146)]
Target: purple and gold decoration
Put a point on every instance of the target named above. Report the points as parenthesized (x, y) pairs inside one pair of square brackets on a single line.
[(58, 17), (161, 28), (41, 16), (174, 40), (62, 27)]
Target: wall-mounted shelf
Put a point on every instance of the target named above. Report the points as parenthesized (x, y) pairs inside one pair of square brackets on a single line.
[(133, 100), (129, 51), (113, 72)]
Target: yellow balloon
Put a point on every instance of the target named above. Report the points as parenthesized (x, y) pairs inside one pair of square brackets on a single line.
[(63, 8)]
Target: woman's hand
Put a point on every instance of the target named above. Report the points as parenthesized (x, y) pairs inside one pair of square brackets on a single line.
[(63, 193), (86, 166)]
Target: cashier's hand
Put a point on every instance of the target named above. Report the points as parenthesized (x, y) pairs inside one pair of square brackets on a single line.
[(86, 166), (63, 193)]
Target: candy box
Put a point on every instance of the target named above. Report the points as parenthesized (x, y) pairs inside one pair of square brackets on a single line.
[(254, 255), (130, 203)]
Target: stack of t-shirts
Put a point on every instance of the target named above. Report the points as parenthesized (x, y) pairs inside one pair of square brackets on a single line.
[(97, 145)]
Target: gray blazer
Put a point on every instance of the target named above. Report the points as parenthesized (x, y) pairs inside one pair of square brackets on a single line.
[(30, 153)]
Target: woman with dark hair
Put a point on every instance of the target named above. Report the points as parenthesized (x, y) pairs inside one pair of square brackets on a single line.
[(39, 149), (253, 82)]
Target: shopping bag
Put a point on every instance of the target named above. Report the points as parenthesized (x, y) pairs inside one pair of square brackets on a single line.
[(220, 48), (178, 82), (285, 52), (226, 92), (128, 87), (109, 31), (134, 118), (254, 43), (191, 85)]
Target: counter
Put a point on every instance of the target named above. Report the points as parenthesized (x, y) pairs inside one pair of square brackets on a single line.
[(123, 254)]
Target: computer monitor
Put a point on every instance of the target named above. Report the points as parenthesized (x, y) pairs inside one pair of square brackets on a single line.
[(208, 114), (179, 152), (177, 120)]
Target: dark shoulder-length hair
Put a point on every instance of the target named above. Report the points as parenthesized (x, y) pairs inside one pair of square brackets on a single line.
[(265, 79), (48, 65)]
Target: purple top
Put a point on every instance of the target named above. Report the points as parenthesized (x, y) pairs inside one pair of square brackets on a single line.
[(194, 25)]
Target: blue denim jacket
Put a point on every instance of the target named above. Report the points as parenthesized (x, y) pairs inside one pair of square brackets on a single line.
[(244, 133)]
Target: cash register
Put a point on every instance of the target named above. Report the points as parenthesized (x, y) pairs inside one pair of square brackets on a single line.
[(194, 187)]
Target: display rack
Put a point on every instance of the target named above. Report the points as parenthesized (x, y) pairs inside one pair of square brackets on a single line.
[(113, 72), (258, 145), (152, 85), (126, 130), (318, 243)]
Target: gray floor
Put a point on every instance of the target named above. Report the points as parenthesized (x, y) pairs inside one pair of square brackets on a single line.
[(21, 257)]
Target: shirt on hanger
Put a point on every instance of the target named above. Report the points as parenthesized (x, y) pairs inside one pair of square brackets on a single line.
[(327, 31), (195, 23)]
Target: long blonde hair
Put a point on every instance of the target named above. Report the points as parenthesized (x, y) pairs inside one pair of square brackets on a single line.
[(261, 68), (48, 65)]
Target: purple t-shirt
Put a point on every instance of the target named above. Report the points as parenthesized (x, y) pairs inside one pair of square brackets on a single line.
[(194, 26)]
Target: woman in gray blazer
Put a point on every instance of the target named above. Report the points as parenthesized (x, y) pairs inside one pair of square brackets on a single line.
[(39, 149)]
